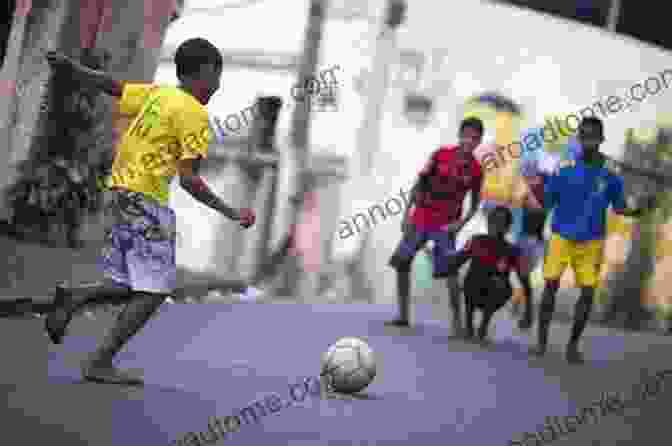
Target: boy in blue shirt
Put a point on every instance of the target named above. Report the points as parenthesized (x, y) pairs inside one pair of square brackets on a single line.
[(580, 195)]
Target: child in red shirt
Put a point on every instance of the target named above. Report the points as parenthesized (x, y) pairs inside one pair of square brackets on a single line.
[(487, 286)]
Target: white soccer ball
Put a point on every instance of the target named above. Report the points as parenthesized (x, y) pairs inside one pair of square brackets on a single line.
[(349, 365)]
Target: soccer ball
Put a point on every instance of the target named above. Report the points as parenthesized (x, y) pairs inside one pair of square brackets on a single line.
[(348, 366)]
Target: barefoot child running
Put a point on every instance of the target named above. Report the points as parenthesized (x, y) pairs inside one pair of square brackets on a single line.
[(168, 137)]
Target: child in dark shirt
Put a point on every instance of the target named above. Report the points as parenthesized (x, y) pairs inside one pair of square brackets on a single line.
[(487, 285)]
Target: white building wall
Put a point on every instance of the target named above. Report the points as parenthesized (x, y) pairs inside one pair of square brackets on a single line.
[(545, 64)]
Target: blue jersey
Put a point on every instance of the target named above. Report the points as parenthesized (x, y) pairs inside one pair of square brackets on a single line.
[(580, 195)]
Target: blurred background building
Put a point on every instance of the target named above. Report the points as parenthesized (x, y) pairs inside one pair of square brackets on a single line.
[(403, 86)]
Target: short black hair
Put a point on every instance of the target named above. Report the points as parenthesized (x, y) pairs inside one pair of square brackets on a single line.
[(472, 123), (192, 54), (503, 212), (592, 121)]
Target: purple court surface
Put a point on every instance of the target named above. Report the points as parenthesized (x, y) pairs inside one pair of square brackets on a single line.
[(215, 359)]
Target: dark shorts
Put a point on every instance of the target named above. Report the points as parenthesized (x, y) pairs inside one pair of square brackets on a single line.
[(139, 249), (414, 240), (487, 292)]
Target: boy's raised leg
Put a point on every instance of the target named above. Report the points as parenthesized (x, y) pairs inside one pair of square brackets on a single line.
[(67, 301)]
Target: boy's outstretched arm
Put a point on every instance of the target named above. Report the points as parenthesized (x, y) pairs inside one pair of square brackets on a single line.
[(476, 197), (193, 184), (639, 211), (101, 80), (419, 186), (620, 205)]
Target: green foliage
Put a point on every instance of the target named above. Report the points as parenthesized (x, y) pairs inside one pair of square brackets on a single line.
[(664, 154)]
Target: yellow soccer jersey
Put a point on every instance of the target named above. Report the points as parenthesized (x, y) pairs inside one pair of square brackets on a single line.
[(169, 125)]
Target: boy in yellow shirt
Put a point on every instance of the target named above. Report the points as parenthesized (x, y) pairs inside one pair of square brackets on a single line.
[(169, 136)]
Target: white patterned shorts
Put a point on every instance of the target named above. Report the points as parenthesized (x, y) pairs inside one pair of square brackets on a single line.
[(139, 249)]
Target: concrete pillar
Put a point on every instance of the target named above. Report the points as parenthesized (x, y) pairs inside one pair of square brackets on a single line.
[(263, 182), (324, 223), (300, 127), (255, 245), (365, 268), (232, 183)]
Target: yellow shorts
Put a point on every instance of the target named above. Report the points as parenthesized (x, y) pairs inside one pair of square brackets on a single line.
[(585, 258)]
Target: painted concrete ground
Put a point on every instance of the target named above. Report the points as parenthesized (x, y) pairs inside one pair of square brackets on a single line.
[(214, 359)]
